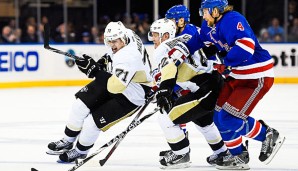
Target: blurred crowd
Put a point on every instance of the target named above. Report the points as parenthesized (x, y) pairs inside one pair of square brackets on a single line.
[(275, 31), (66, 32), (31, 32)]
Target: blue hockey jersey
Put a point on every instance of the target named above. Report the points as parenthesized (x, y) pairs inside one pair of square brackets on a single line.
[(193, 44), (233, 34)]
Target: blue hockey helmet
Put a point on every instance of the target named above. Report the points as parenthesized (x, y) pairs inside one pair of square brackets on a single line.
[(177, 12), (211, 4)]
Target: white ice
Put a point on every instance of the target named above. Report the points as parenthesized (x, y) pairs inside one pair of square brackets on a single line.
[(33, 117)]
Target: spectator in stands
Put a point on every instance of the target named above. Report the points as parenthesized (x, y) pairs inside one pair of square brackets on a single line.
[(142, 27), (275, 29), (293, 33), (94, 37), (30, 35), (278, 38), (31, 21), (292, 13), (7, 36), (264, 36), (101, 37), (44, 20), (71, 36), (86, 38), (17, 32)]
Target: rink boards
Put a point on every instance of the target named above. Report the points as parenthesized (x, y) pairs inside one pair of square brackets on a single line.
[(32, 65)]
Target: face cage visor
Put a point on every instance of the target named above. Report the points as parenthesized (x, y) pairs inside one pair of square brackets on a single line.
[(201, 12), (150, 35)]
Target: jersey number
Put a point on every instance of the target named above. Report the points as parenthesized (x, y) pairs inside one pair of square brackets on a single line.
[(120, 72)]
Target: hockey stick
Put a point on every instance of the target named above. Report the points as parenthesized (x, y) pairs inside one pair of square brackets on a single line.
[(131, 126), (47, 46), (103, 161), (115, 139), (120, 136)]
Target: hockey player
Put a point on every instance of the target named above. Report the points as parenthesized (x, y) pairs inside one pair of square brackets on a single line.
[(178, 67), (181, 16), (249, 71), (111, 96)]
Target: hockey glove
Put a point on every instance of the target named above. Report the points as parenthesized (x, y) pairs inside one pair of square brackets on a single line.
[(164, 101), (179, 53), (88, 66), (222, 54), (222, 69), (103, 62), (209, 51)]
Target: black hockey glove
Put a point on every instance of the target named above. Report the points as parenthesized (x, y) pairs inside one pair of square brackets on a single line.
[(210, 51), (164, 100), (103, 62), (88, 66)]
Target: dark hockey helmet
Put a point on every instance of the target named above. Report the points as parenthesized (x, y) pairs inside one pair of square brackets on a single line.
[(177, 12), (211, 4)]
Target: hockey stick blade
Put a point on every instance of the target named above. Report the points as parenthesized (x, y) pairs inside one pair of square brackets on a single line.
[(103, 161), (133, 125), (33, 169), (47, 46)]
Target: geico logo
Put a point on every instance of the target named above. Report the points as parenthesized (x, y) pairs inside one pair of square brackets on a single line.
[(285, 58), (18, 61)]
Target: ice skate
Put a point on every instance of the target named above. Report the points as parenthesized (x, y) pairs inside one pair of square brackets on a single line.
[(162, 153), (59, 147), (173, 161), (70, 156), (238, 162), (270, 145), (230, 162), (213, 159)]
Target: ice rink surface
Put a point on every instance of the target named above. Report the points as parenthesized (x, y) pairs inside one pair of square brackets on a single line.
[(33, 117)]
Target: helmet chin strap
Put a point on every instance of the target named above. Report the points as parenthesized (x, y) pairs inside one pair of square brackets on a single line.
[(215, 19)]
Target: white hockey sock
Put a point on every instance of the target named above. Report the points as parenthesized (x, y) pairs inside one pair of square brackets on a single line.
[(78, 113), (172, 132), (212, 136), (89, 133)]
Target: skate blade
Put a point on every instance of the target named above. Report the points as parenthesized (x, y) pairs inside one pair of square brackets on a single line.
[(64, 162), (176, 166), (51, 152), (238, 167), (279, 142)]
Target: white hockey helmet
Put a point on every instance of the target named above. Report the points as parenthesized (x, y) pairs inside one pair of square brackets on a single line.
[(162, 26), (115, 30)]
